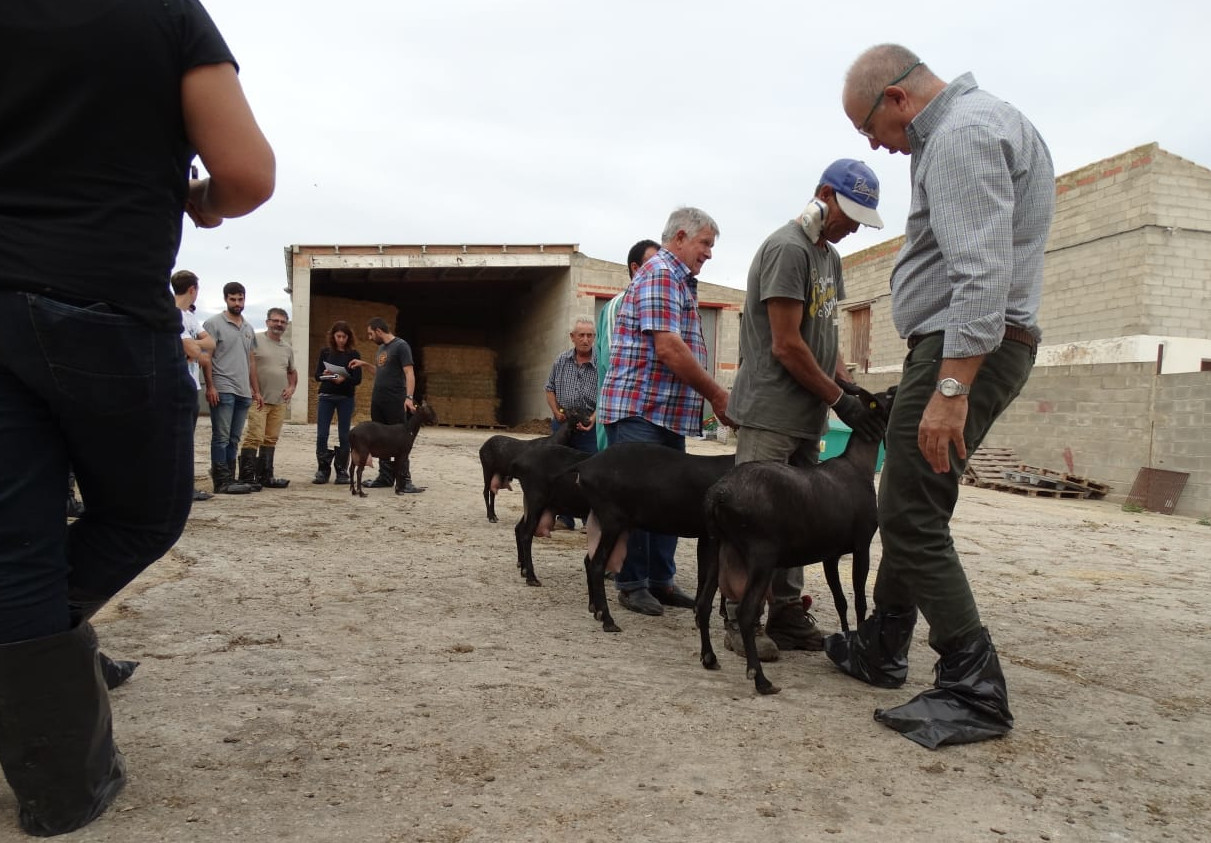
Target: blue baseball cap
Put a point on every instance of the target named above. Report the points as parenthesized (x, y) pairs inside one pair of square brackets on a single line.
[(857, 189)]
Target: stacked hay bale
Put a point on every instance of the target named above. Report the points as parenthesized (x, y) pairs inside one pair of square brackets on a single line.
[(324, 311), (460, 383)]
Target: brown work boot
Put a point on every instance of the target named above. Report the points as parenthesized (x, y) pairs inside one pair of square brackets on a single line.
[(767, 650), (792, 628)]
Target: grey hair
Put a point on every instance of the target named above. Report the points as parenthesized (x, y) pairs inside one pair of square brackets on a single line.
[(583, 320), (876, 67), (689, 220), (274, 310)]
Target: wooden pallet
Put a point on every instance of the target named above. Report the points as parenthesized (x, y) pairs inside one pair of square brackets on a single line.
[(988, 465), (1000, 469), (1035, 491)]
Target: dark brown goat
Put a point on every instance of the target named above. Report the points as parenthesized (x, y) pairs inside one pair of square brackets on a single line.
[(643, 486), (385, 441), (496, 457), (768, 515)]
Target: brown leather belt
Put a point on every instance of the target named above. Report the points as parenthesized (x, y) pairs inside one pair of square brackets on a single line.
[(1013, 333)]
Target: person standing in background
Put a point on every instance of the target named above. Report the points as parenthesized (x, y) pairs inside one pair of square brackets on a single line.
[(336, 397)]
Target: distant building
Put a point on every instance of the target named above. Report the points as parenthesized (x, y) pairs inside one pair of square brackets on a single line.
[(1122, 377), (485, 322)]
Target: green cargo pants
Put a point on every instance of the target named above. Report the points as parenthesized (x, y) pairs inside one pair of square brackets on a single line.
[(920, 566)]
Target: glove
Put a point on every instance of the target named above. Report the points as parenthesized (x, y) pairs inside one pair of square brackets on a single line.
[(862, 419)]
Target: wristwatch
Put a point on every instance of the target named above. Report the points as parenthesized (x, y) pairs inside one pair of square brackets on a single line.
[(952, 388)]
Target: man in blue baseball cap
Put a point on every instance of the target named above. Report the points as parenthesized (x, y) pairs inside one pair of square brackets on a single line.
[(789, 357)]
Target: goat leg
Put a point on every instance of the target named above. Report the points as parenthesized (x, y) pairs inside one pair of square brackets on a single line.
[(861, 568), (832, 576), (747, 615), (598, 603), (708, 584)]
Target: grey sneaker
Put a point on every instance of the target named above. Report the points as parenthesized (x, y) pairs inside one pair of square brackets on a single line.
[(767, 650), (792, 628)]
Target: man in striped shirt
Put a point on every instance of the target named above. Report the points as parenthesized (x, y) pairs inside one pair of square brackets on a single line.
[(965, 294), (655, 385)]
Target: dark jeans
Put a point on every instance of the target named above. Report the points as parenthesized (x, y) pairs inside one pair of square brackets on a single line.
[(227, 427), (650, 561), (108, 396), (342, 406), (919, 565)]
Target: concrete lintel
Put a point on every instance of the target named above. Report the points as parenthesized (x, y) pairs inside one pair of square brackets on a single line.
[(439, 261)]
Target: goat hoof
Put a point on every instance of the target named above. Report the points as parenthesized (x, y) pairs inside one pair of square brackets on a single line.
[(710, 661), (533, 581), (493, 520), (767, 689), (610, 626)]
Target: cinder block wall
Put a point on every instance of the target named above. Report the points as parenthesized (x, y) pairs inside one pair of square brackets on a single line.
[(1108, 421)]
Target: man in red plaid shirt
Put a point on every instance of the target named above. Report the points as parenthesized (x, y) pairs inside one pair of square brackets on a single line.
[(655, 385)]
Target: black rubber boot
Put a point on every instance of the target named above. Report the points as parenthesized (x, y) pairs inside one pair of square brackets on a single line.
[(969, 701), (341, 464), (74, 508), (248, 466), (386, 476), (323, 460), (406, 487), (224, 483), (56, 732), (115, 672), (877, 651), (265, 470)]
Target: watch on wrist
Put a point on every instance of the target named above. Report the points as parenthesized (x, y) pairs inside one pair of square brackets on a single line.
[(951, 388)]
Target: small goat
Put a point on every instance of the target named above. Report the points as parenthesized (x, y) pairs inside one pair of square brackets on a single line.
[(768, 515), (643, 486), (385, 441), (548, 488), (496, 457)]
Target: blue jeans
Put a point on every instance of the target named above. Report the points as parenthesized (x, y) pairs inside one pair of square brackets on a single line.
[(650, 561), (110, 397), (342, 406), (227, 426), (582, 440)]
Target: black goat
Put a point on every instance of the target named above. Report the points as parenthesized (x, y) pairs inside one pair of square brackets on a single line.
[(643, 486), (385, 441), (768, 515), (548, 488), (496, 457)]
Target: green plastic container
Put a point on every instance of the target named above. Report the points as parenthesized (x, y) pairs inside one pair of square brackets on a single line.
[(833, 443)]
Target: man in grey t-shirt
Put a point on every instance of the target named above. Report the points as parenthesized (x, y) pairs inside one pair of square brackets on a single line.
[(231, 386), (788, 361)]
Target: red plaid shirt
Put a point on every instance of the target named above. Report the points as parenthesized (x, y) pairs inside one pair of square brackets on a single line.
[(663, 296)]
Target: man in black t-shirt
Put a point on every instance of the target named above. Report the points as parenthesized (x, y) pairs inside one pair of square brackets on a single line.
[(391, 399), (104, 106)]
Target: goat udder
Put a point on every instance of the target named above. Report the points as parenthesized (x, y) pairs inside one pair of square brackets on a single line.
[(499, 482), (545, 522)]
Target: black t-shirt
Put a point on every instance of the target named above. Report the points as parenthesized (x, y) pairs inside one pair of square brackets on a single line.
[(389, 380), (93, 154)]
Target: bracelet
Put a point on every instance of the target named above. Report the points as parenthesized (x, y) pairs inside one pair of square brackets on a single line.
[(838, 401), (407, 397)]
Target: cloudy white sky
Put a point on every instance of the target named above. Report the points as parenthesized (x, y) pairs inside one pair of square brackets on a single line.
[(555, 121)]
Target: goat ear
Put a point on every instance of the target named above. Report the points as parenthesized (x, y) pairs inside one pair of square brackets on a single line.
[(849, 387)]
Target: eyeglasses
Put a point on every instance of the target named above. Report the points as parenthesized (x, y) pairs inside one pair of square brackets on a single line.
[(862, 130)]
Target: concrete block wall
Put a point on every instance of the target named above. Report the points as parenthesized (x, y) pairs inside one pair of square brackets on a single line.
[(1108, 421), (1176, 289), (536, 338)]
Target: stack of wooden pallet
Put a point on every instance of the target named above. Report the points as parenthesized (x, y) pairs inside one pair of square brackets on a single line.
[(1000, 469)]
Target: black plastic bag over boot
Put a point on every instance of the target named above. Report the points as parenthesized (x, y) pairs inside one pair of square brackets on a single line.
[(56, 732), (877, 651), (969, 701)]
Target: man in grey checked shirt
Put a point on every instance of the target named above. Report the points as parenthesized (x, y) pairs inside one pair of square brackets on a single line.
[(965, 294)]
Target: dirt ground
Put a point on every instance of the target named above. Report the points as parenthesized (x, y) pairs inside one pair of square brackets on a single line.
[(322, 668)]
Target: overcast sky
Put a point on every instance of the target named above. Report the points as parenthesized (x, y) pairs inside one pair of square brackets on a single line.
[(554, 121)]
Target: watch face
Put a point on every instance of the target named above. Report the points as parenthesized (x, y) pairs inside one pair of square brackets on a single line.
[(950, 387)]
